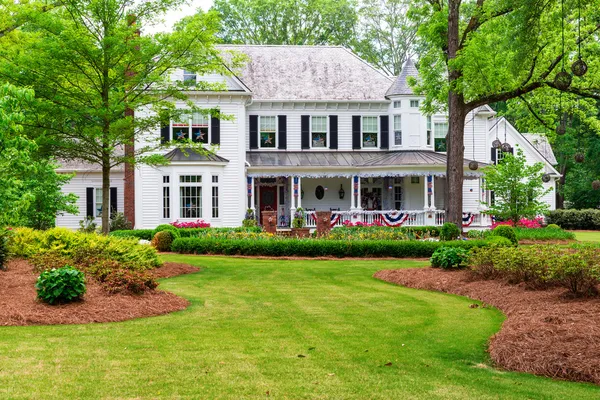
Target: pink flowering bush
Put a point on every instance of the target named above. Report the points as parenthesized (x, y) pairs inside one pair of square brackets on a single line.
[(192, 224), (349, 223), (523, 223)]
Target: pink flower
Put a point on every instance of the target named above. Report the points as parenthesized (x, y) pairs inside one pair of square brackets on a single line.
[(192, 224)]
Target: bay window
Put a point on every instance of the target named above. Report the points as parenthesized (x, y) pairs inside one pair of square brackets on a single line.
[(190, 196)]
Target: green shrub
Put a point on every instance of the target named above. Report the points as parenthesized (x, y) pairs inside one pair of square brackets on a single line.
[(449, 257), (3, 247), (449, 231), (61, 285), (498, 241), (542, 234), (88, 225), (575, 219), (552, 226), (145, 234), (249, 223), (49, 259), (507, 232), (123, 281), (282, 247), (476, 234), (579, 272), (167, 227), (118, 222), (162, 240)]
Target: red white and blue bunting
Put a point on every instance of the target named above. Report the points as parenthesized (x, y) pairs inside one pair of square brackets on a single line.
[(394, 218), (467, 219), (335, 218)]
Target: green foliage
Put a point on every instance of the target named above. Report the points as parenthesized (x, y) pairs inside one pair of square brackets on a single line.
[(518, 188), (576, 268), (476, 234), (575, 219), (507, 232), (367, 233), (4, 253), (298, 220), (162, 240), (118, 222), (552, 226), (249, 223), (449, 231), (167, 227), (449, 257), (88, 225), (498, 241), (547, 233), (145, 234), (282, 247), (301, 22), (62, 285)]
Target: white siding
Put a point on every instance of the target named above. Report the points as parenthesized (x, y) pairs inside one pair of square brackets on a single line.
[(78, 186), (331, 199)]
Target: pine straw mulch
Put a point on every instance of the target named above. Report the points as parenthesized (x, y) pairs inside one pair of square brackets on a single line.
[(545, 332), (19, 304)]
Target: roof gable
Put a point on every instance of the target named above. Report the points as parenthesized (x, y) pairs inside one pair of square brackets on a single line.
[(305, 73), (400, 85)]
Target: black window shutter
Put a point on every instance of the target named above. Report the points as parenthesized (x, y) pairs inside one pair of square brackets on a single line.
[(113, 200), (254, 131), (282, 129), (493, 158), (385, 131), (512, 151), (356, 132), (333, 132), (89, 202), (215, 130), (164, 134), (305, 131)]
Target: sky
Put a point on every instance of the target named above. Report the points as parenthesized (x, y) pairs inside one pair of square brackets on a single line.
[(176, 15)]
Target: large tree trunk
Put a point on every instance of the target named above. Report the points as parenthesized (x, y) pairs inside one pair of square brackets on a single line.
[(560, 197), (105, 198), (457, 111)]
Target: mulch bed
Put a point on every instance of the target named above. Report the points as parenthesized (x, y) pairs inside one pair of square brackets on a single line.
[(19, 304), (545, 333)]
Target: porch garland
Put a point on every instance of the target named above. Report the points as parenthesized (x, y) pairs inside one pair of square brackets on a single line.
[(392, 174), (467, 219), (394, 218)]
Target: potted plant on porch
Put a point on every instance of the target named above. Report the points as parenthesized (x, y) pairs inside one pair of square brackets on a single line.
[(298, 224)]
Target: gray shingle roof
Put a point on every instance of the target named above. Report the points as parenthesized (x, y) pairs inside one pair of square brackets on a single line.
[(400, 85), (309, 73), (191, 155), (346, 159), (540, 142)]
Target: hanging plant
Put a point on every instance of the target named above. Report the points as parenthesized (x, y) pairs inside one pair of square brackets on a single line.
[(473, 165), (561, 129), (546, 178), (562, 80), (579, 67), (506, 147), (496, 144), (596, 185), (579, 157)]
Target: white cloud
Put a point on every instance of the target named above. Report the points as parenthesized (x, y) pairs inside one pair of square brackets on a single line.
[(175, 15)]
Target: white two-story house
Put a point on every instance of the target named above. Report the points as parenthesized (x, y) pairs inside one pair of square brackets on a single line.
[(313, 127)]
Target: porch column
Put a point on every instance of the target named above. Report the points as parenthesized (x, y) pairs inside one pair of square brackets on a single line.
[(356, 193), (426, 192), (293, 196), (250, 182), (299, 192), (432, 192)]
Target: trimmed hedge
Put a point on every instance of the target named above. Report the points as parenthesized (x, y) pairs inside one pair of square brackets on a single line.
[(145, 234), (148, 234), (317, 247), (575, 219)]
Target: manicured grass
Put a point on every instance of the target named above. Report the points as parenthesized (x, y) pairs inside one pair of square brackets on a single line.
[(587, 236), (542, 234), (249, 321)]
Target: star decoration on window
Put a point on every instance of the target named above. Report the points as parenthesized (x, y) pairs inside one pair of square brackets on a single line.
[(200, 135), (268, 140), (181, 135)]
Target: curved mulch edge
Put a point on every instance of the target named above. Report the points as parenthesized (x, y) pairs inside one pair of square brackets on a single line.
[(545, 333), (19, 305), (320, 258)]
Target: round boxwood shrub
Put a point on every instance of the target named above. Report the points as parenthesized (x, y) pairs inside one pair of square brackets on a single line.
[(449, 231), (449, 257), (163, 240), (499, 241), (507, 232), (167, 227), (61, 285), (553, 226)]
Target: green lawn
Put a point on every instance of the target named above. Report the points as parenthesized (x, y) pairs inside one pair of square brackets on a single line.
[(587, 236), (247, 325)]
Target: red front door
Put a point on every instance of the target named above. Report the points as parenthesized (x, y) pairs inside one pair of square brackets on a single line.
[(268, 199)]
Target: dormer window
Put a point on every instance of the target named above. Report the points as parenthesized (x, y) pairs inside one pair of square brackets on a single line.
[(397, 104), (268, 132), (414, 103), (189, 78), (369, 132), (318, 132)]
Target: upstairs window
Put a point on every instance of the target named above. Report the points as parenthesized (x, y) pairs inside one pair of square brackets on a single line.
[(318, 132), (397, 104), (429, 130), (268, 132), (189, 78), (414, 103), (397, 130), (200, 128), (440, 131), (181, 128), (369, 132)]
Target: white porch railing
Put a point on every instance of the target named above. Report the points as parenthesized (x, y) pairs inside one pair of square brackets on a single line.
[(397, 218)]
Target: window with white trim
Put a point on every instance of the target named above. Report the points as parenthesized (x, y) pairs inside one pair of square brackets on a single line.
[(181, 127), (397, 104), (318, 132), (166, 191), (414, 103), (200, 128), (398, 193), (215, 196), (98, 203), (189, 78), (268, 132), (194, 127), (370, 131), (440, 131), (398, 130), (190, 196), (429, 130)]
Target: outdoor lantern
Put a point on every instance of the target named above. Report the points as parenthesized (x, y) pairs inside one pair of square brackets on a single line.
[(496, 144), (506, 147), (341, 192)]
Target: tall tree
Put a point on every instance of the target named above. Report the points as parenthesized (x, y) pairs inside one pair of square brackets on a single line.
[(293, 22), (484, 51), (90, 68), (386, 33)]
